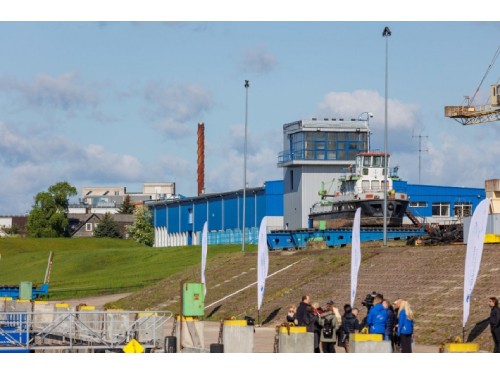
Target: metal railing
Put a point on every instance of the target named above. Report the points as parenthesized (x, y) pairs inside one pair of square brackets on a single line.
[(393, 172), (90, 329), (288, 155)]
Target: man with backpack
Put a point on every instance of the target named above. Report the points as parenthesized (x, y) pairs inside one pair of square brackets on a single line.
[(329, 325)]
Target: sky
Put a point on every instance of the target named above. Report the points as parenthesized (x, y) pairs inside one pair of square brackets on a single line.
[(117, 103)]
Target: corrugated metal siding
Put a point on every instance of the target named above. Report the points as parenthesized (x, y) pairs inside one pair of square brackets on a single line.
[(215, 213), (274, 187), (492, 226), (200, 215), (230, 213), (185, 226), (173, 218), (292, 208), (263, 205), (160, 216)]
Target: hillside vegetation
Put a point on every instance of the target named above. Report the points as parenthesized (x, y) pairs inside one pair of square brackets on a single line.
[(95, 266), (431, 278)]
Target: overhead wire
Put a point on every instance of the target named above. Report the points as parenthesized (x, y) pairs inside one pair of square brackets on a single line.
[(497, 53)]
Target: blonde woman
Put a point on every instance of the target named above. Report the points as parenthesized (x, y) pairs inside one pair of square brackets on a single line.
[(405, 326), (291, 315)]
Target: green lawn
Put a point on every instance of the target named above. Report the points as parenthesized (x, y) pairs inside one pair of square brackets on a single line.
[(96, 266)]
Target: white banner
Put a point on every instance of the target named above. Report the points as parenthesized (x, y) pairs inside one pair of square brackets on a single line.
[(355, 253), (475, 243), (204, 245), (262, 261)]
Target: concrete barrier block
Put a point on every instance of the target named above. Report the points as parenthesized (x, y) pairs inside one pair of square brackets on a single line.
[(149, 329), (41, 321), (189, 349), (116, 325), (370, 346), (295, 342), (91, 323), (187, 339), (238, 338)]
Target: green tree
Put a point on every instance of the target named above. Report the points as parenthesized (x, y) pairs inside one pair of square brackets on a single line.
[(142, 230), (126, 207), (14, 229), (107, 227), (48, 216)]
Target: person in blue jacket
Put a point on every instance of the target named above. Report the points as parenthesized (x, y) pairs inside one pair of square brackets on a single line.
[(377, 317), (405, 326)]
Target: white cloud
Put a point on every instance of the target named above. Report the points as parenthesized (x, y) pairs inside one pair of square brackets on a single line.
[(258, 59), (350, 105), (174, 129), (261, 160), (182, 102), (64, 92)]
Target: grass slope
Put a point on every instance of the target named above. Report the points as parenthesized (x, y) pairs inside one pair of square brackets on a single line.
[(95, 266)]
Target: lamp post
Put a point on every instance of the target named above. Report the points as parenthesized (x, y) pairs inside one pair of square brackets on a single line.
[(247, 85), (386, 34)]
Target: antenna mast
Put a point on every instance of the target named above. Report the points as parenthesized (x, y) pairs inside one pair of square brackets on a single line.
[(420, 136)]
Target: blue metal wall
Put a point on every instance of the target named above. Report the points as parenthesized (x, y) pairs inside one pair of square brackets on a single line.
[(225, 211), (443, 194)]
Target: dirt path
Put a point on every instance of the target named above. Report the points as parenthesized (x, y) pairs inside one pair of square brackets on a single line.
[(98, 301)]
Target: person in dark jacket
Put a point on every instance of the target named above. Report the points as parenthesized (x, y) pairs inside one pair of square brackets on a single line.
[(350, 325), (301, 311), (328, 318), (405, 326), (311, 323), (377, 317), (389, 326), (290, 318), (495, 323)]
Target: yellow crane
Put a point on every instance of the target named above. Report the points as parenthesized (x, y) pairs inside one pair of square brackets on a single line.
[(469, 114)]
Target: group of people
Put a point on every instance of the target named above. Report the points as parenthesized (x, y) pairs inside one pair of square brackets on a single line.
[(330, 327)]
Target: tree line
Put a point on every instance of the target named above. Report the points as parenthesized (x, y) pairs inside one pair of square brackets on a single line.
[(49, 217)]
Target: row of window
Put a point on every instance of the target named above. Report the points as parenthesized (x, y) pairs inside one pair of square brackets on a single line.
[(330, 155), (443, 208)]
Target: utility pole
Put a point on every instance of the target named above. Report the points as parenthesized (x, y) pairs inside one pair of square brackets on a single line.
[(386, 34), (247, 85), (420, 136)]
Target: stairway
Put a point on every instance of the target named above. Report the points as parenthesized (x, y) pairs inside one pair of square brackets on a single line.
[(413, 219)]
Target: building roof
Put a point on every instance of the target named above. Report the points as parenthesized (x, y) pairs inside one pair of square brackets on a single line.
[(77, 221)]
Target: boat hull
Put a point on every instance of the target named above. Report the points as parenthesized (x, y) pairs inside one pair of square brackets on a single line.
[(372, 214)]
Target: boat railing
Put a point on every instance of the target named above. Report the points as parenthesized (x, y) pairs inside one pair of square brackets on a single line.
[(363, 171)]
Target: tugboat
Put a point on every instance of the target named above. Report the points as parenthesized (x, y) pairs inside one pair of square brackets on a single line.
[(361, 185)]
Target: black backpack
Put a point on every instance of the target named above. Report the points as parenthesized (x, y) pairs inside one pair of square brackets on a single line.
[(328, 329)]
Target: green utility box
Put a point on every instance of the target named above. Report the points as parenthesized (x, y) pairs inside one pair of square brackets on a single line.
[(322, 225), (26, 290), (193, 299)]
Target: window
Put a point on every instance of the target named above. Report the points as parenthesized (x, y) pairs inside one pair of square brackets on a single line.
[(320, 155), (310, 154), (353, 146), (441, 209), (342, 136), (291, 180), (342, 145), (320, 136), (375, 185), (365, 185), (331, 145), (362, 137), (363, 146), (418, 204), (352, 155), (190, 216), (332, 155), (376, 161), (463, 209), (353, 137), (342, 155), (88, 227), (320, 145), (117, 193), (367, 161), (309, 136), (332, 136)]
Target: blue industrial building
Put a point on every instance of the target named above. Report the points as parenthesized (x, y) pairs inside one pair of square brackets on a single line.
[(440, 204), (180, 221)]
